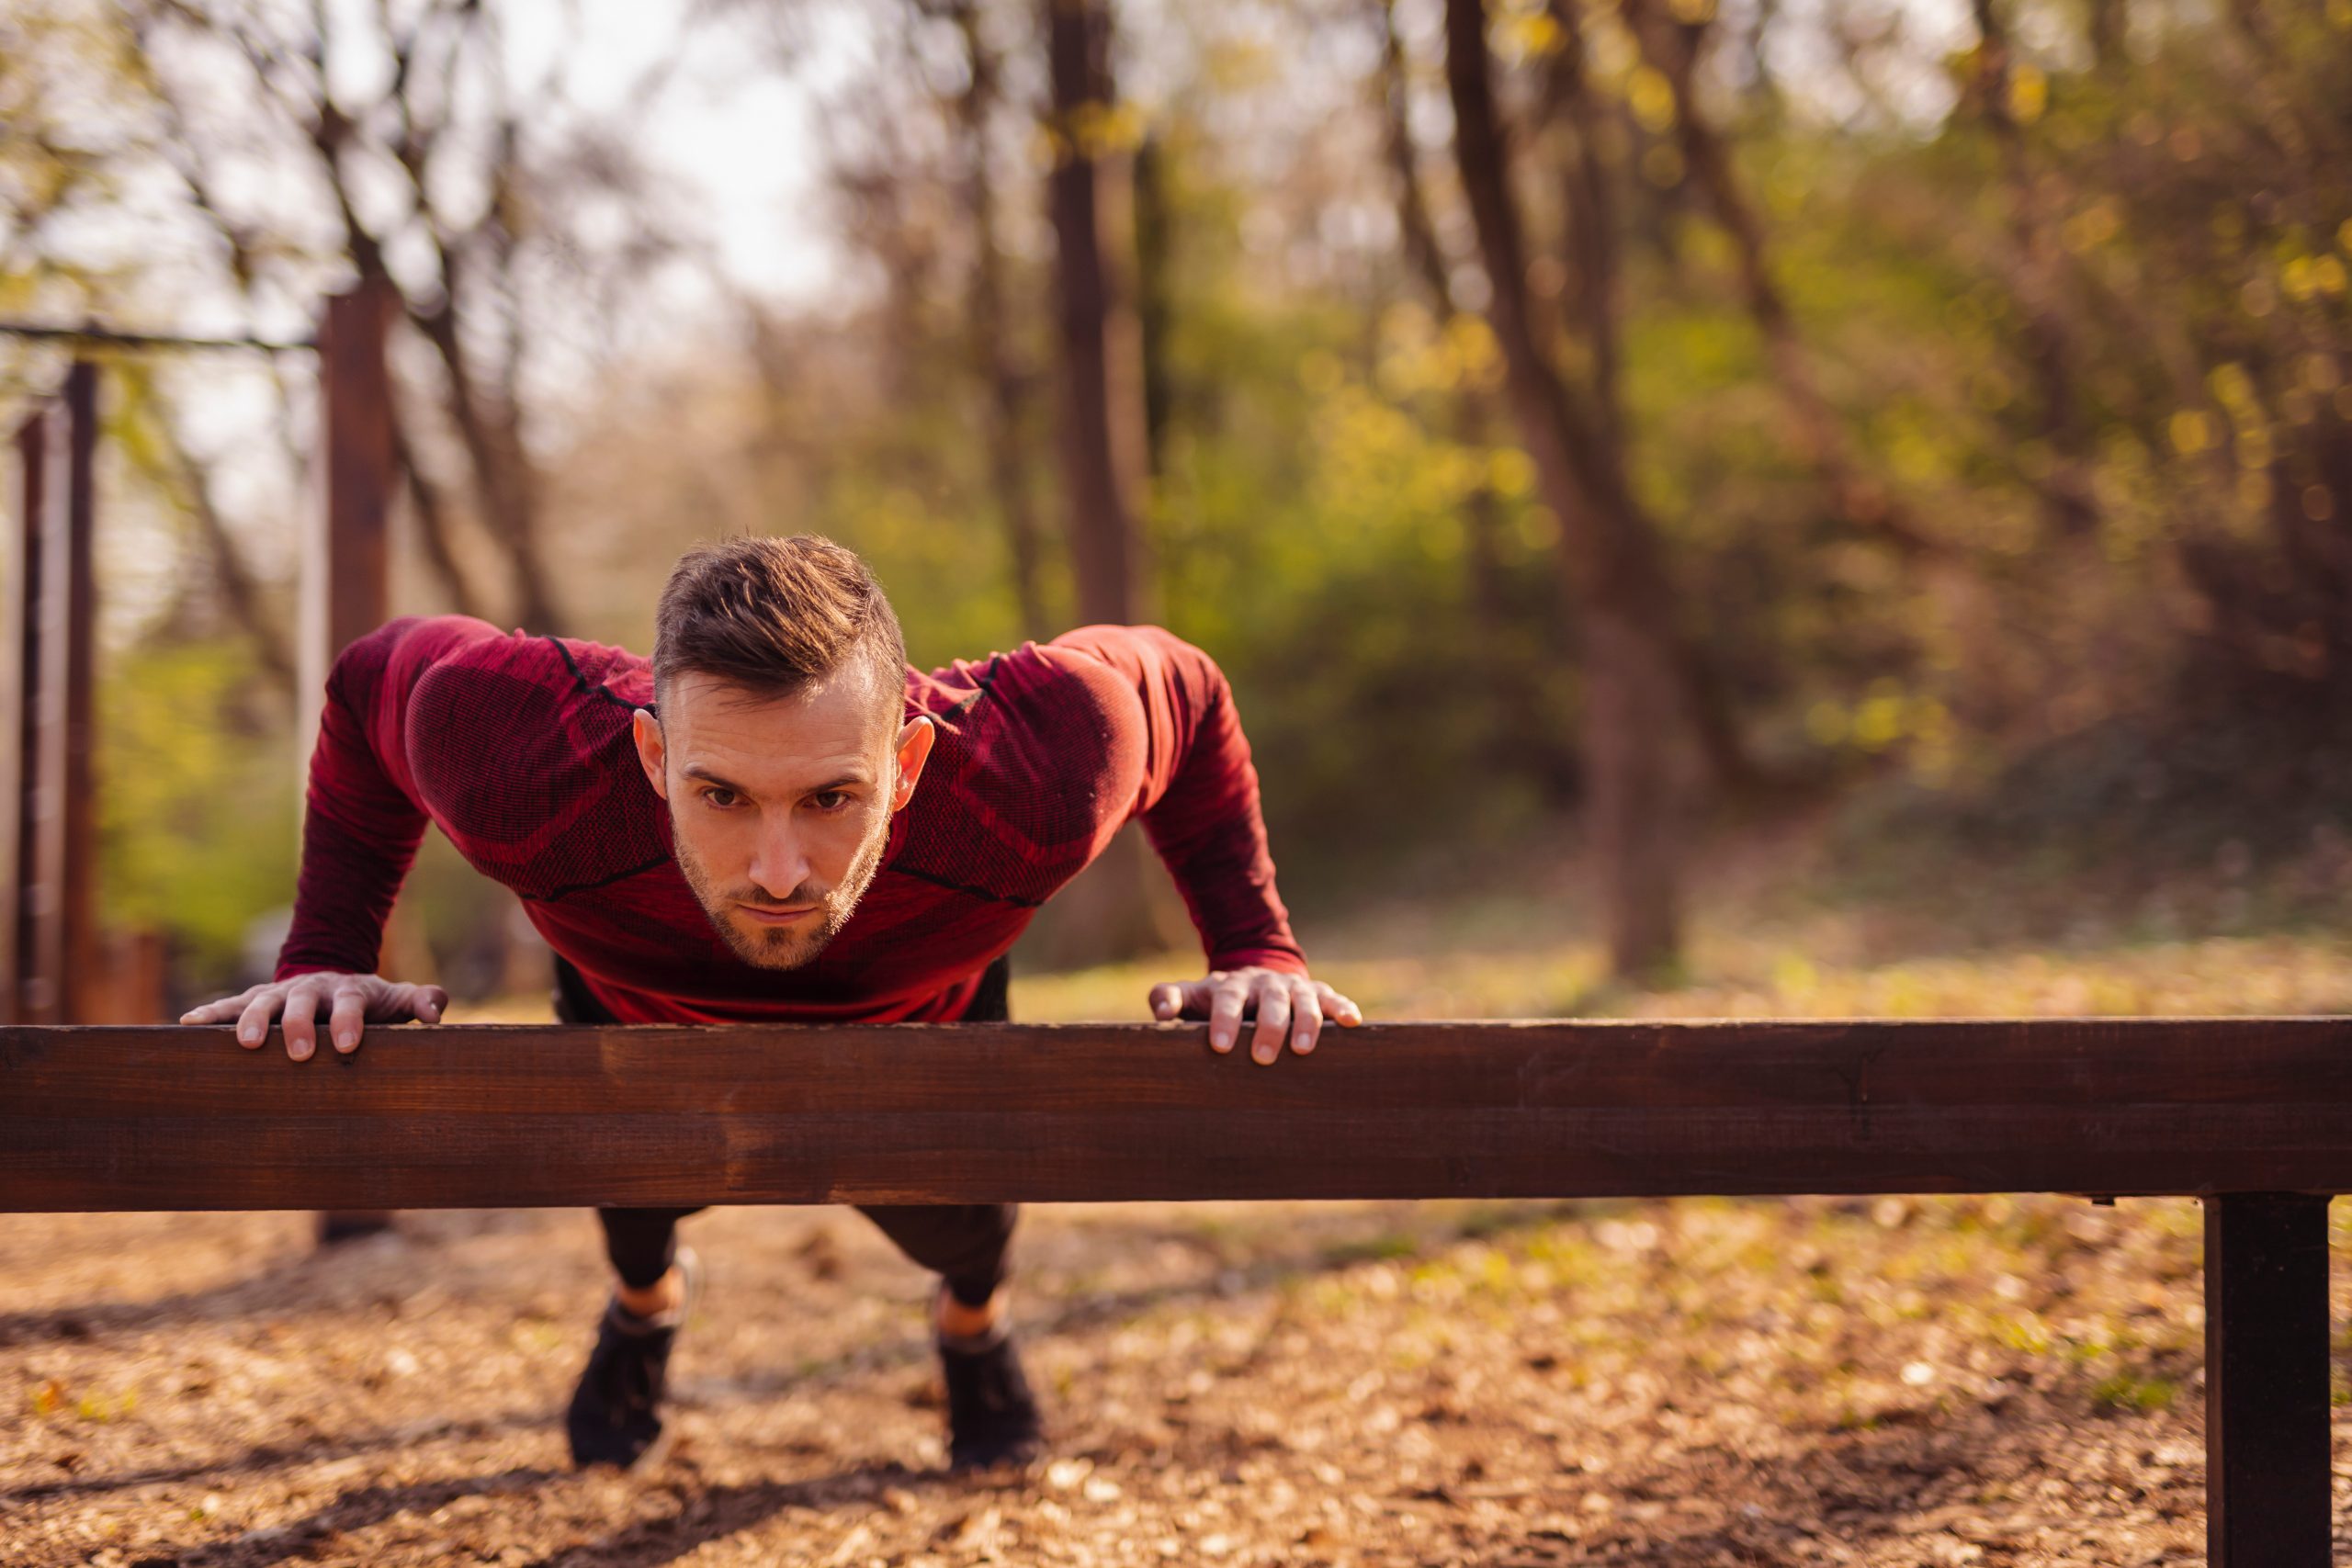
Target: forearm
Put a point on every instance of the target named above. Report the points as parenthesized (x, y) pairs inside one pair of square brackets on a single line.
[(1197, 793), (360, 828), (1210, 829)]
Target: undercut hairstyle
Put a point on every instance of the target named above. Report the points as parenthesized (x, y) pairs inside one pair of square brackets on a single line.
[(774, 616)]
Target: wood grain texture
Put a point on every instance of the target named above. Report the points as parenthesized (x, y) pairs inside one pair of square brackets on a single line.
[(2266, 1459), (454, 1117)]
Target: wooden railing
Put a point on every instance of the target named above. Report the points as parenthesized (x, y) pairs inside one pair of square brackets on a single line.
[(2252, 1115)]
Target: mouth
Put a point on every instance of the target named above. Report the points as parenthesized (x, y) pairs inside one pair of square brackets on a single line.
[(777, 917)]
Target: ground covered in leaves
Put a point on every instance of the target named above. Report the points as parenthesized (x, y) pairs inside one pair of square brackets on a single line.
[(2003, 1381), (1999, 1380)]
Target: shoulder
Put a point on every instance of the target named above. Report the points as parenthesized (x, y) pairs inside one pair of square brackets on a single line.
[(1040, 703), (511, 734), (1026, 777), (505, 679)]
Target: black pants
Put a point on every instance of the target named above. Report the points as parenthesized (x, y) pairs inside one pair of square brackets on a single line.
[(964, 1242)]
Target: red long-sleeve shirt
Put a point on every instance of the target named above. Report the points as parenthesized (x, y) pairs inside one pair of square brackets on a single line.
[(519, 749)]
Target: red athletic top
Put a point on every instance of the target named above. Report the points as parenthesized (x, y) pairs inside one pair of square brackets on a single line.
[(519, 749)]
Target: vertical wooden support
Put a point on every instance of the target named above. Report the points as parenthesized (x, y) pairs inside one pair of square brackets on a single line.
[(61, 911), (346, 558), (347, 561), (19, 686), (2267, 1397)]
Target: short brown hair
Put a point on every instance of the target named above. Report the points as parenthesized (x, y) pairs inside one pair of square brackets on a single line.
[(774, 615)]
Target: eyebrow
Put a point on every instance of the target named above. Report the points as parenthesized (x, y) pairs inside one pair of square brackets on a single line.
[(696, 771)]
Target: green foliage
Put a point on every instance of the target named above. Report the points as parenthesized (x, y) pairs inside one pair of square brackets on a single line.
[(197, 814)]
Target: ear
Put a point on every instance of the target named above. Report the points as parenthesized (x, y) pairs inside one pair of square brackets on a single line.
[(914, 750), (646, 730)]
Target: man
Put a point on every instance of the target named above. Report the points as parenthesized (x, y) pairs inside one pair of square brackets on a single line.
[(778, 821)]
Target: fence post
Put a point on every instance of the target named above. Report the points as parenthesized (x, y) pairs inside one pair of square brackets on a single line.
[(58, 934), (346, 555), (2268, 1487), (347, 559), (19, 688)]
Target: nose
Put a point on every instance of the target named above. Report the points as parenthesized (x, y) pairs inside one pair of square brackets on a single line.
[(779, 865)]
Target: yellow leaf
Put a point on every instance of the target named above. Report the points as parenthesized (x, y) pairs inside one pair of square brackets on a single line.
[(1651, 98), (2028, 94)]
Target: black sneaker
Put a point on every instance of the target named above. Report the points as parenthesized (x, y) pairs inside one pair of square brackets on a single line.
[(992, 1415), (616, 1415)]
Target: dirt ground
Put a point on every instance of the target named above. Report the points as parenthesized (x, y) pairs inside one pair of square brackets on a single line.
[(1994, 1381)]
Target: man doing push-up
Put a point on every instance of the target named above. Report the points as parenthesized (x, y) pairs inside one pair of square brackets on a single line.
[(776, 820)]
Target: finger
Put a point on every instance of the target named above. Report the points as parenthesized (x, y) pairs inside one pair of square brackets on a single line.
[(1306, 1017), (223, 1009), (424, 1003), (1225, 1001), (300, 1025), (1274, 1018), (252, 1027), (349, 1018), (204, 1014), (1338, 1006), (1167, 1000)]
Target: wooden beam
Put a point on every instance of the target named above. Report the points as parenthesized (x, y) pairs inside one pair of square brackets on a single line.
[(171, 1118), (2267, 1381)]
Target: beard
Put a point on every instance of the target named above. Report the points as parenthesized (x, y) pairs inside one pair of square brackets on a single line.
[(782, 947)]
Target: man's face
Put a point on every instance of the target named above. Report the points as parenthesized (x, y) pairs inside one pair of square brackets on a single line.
[(780, 805)]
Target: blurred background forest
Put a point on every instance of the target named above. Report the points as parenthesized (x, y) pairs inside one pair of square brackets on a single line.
[(1626, 453)]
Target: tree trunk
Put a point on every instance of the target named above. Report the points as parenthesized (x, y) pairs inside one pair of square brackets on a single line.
[(1111, 912), (1003, 387), (1099, 402), (1505, 672), (1634, 708)]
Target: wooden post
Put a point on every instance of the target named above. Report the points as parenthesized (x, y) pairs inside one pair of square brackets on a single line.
[(60, 910), (2267, 1395), (19, 684), (347, 559)]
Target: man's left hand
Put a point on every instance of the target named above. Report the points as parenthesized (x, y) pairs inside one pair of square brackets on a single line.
[(1282, 1002)]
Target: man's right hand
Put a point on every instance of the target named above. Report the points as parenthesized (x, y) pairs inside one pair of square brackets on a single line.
[(352, 1002)]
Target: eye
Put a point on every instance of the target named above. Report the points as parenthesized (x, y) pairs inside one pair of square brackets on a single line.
[(830, 799), (722, 798)]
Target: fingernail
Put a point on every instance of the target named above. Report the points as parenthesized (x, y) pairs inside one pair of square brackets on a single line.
[(1302, 1042), (300, 1052), (346, 1040), (247, 1035), (1264, 1054), (1220, 1041)]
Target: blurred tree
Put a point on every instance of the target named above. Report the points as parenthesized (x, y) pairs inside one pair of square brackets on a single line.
[(1102, 438), (1635, 697), (1004, 382)]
